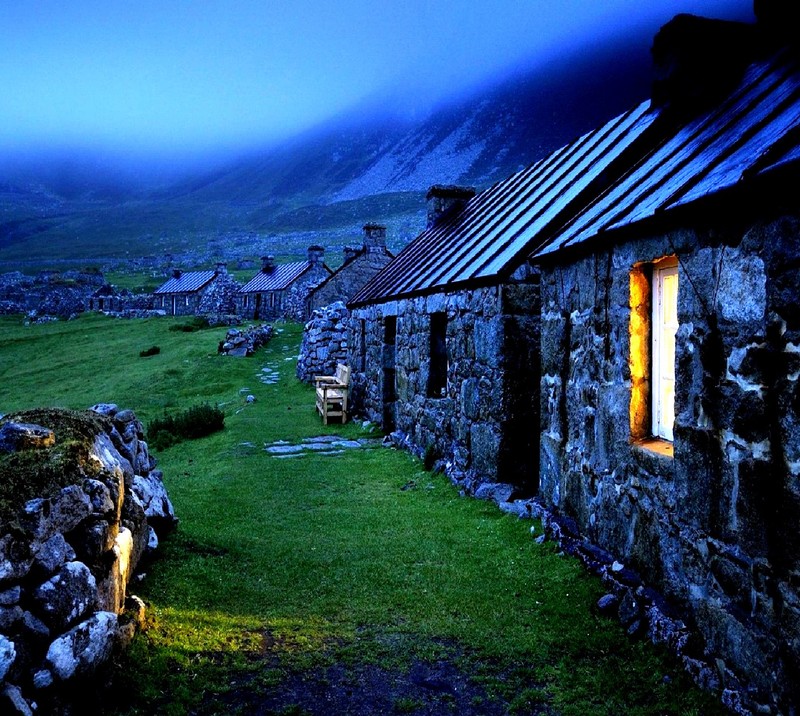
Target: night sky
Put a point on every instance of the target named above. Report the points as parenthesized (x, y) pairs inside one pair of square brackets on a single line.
[(186, 75)]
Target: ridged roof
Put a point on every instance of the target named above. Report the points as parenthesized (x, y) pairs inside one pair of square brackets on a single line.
[(187, 282), (497, 228), (632, 168), (277, 279), (755, 130)]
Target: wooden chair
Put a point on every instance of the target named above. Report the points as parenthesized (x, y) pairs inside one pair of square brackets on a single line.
[(332, 394)]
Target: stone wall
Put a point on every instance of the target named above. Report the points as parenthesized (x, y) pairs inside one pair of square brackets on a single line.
[(220, 298), (481, 426), (67, 557), (243, 342), (49, 293), (324, 342), (715, 526), (295, 305)]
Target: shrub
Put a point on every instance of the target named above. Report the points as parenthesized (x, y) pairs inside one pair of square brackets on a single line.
[(196, 422), (152, 351), (196, 323)]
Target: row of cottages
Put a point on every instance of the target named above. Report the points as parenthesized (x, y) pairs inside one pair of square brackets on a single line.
[(183, 293), (360, 264), (616, 329), (281, 290)]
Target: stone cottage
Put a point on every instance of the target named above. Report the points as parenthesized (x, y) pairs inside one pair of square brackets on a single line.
[(281, 290), (183, 293), (444, 341), (360, 264), (670, 356), (658, 354)]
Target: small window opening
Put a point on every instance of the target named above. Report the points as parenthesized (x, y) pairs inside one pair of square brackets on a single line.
[(653, 324), (389, 366), (437, 375), (362, 344)]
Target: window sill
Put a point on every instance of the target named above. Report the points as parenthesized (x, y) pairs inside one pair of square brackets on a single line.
[(665, 448), (655, 456)]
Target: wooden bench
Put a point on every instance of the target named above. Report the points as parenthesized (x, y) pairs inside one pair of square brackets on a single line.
[(332, 394)]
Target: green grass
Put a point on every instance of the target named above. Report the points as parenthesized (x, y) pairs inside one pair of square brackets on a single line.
[(284, 567)]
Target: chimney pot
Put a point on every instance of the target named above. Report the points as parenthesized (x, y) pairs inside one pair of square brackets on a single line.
[(315, 253), (446, 199), (267, 263), (374, 237), (176, 273)]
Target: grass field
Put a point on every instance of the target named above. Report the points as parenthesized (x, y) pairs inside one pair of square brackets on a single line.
[(322, 585)]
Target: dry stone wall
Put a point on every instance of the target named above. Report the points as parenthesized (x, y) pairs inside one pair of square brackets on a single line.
[(324, 342), (66, 558), (242, 342), (714, 526)]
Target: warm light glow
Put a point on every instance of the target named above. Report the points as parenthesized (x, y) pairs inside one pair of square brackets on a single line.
[(640, 352)]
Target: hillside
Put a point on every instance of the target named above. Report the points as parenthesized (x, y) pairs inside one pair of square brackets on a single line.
[(371, 164)]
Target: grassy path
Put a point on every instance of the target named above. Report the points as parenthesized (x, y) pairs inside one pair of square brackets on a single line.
[(356, 583)]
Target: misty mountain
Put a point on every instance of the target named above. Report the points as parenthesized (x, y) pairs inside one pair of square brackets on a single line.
[(373, 163), (476, 139)]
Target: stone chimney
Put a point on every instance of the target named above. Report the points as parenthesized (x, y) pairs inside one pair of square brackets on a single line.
[(698, 61), (221, 268), (374, 238), (176, 273), (315, 254), (267, 263), (446, 200), (779, 20)]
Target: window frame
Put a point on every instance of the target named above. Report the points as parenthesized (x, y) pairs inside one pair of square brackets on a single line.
[(664, 320)]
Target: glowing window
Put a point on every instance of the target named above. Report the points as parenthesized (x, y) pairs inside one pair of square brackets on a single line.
[(663, 329)]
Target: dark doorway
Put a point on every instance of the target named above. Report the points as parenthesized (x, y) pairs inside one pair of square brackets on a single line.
[(257, 309), (389, 372)]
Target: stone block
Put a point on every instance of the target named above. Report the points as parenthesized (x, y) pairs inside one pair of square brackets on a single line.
[(8, 654), (742, 291), (69, 509), (65, 598), (485, 446), (488, 342), (53, 554), (84, 648)]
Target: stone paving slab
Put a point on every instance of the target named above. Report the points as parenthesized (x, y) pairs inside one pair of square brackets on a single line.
[(321, 445)]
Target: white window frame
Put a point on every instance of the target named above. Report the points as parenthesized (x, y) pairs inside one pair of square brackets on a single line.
[(663, 327)]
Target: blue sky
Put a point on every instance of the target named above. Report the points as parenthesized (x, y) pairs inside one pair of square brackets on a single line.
[(184, 75)]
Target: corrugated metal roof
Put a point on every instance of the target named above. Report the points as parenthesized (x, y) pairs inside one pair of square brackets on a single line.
[(496, 228), (187, 282), (279, 278), (707, 155)]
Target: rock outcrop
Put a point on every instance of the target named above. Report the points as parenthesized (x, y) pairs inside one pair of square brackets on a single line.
[(67, 553)]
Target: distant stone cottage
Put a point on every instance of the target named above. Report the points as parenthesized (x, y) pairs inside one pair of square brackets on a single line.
[(616, 328), (184, 292), (281, 290), (361, 263)]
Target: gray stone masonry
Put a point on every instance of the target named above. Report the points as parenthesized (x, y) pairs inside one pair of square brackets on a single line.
[(324, 342), (716, 526), (66, 561), (481, 426)]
